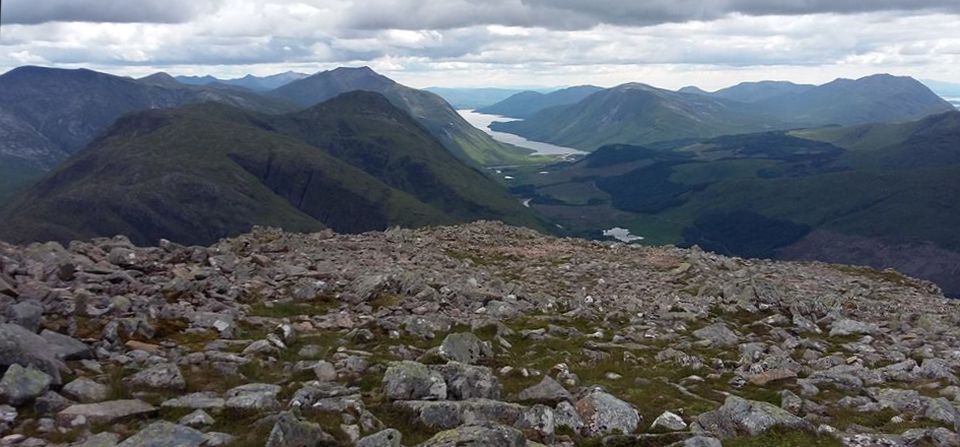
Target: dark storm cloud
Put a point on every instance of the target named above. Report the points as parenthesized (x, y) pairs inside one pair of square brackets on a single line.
[(29, 12), (579, 14)]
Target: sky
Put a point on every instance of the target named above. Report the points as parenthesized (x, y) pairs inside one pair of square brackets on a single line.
[(473, 43)]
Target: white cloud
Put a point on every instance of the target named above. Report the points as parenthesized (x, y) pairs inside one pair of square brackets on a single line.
[(502, 42)]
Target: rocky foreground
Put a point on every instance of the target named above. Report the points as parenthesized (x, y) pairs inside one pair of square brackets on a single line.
[(475, 335)]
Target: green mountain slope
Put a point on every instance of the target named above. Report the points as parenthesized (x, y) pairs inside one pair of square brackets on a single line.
[(639, 114), (201, 172), (754, 91), (49, 113), (525, 104), (883, 195), (634, 114), (430, 110)]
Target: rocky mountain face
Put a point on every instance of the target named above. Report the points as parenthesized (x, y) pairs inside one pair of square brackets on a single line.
[(479, 334)]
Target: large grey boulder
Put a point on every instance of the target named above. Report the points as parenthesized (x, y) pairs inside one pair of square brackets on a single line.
[(66, 347), (467, 381), (548, 391), (603, 414), (846, 326), (718, 334), (384, 438), (162, 376), (739, 416), (165, 434), (478, 435), (20, 385), (26, 314), (103, 412), (289, 431), (464, 347), (408, 380), (196, 401), (85, 391), (253, 396), (20, 346)]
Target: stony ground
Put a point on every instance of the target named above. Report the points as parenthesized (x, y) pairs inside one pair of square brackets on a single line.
[(475, 335)]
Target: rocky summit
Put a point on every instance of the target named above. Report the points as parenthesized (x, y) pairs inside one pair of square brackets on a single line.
[(471, 335)]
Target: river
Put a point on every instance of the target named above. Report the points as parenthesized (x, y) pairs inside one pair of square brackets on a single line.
[(482, 121)]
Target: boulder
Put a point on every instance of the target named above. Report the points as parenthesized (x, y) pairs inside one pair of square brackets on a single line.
[(20, 385), (408, 380), (739, 417), (26, 314), (464, 347), (85, 391), (384, 438), (289, 431), (50, 403), (467, 381), (162, 376), (718, 334), (548, 391), (668, 421), (104, 412), (165, 434), (197, 419), (105, 439), (603, 414), (66, 347), (478, 435), (253, 396), (20, 346), (846, 326), (196, 401)]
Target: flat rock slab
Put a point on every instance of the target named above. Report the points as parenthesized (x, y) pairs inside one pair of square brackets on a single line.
[(165, 434), (105, 412)]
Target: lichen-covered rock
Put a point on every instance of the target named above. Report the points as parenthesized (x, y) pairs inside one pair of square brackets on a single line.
[(547, 391), (464, 347), (602, 413), (478, 435), (739, 416), (718, 334), (668, 421), (384, 438), (85, 391), (408, 380), (290, 431), (20, 385), (165, 434), (847, 326), (20, 346), (253, 396), (468, 381), (103, 412), (162, 376), (196, 401)]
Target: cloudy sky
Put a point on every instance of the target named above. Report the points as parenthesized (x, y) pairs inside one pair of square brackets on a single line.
[(669, 43)]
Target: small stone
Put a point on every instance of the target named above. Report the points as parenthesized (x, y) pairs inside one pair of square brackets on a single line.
[(197, 419), (325, 371), (668, 421), (253, 396)]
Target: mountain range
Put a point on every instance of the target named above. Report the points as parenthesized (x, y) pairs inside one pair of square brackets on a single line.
[(527, 103), (641, 114), (201, 172), (255, 83), (473, 98)]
